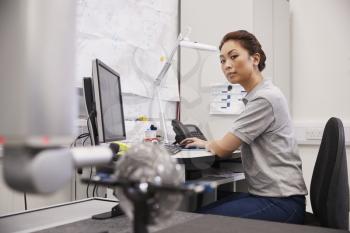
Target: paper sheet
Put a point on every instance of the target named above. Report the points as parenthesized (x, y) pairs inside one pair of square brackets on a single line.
[(227, 99)]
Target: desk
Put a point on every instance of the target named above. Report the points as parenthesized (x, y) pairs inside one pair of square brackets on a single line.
[(198, 167), (192, 153), (180, 222), (223, 183), (197, 160), (198, 153)]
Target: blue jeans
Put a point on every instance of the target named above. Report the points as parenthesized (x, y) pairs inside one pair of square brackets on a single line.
[(279, 209)]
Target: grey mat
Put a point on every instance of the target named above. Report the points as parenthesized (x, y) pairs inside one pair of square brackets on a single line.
[(119, 224), (220, 224)]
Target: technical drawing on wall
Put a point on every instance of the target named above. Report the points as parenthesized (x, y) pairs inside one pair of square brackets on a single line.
[(133, 37)]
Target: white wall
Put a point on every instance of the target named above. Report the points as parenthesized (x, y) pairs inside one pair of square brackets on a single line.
[(320, 66), (320, 59)]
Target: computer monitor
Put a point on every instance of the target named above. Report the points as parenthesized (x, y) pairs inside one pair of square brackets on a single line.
[(104, 104)]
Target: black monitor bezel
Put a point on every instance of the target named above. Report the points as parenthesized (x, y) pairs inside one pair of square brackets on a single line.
[(98, 101)]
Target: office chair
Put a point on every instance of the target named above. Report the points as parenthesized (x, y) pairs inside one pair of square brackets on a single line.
[(329, 191)]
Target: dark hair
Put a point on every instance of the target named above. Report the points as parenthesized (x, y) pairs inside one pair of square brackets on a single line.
[(247, 41)]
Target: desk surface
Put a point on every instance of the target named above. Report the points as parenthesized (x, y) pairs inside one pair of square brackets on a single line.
[(198, 153), (190, 223), (76, 217), (180, 222), (48, 217), (192, 153)]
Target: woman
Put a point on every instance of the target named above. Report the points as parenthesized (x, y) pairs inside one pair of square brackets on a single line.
[(264, 131)]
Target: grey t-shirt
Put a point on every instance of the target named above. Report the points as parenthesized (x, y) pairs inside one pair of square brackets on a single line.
[(270, 158)]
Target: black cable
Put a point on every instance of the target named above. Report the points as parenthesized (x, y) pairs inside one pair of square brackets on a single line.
[(73, 144), (106, 192), (87, 188), (97, 191), (93, 190), (87, 124), (75, 186), (91, 142), (25, 201), (86, 139), (83, 135)]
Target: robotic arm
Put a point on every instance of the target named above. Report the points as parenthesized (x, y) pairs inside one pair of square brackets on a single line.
[(38, 104)]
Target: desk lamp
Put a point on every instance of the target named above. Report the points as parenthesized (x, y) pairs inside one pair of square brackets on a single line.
[(184, 42)]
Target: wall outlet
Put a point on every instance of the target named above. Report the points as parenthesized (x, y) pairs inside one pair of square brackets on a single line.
[(313, 133), (310, 133)]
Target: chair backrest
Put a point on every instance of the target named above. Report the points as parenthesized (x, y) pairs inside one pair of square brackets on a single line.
[(329, 191)]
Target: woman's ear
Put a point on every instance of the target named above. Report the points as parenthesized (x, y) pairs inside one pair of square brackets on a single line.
[(256, 59)]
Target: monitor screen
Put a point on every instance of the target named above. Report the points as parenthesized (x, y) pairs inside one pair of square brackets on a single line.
[(108, 103)]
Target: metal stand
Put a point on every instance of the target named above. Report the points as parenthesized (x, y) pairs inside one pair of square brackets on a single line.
[(141, 209)]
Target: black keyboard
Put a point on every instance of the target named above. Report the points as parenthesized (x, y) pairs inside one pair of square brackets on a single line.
[(172, 148)]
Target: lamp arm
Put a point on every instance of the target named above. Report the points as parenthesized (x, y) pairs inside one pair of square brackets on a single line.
[(162, 116), (167, 64), (157, 83), (161, 76)]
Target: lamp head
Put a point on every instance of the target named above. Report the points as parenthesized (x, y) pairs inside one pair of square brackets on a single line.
[(200, 46)]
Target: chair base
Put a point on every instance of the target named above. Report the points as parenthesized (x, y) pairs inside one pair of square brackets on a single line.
[(311, 219)]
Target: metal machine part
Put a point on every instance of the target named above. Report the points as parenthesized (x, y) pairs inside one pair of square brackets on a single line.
[(38, 103)]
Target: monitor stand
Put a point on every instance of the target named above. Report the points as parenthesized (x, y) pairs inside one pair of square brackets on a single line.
[(115, 212)]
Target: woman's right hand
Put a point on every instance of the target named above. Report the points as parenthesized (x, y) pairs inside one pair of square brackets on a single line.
[(194, 142)]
